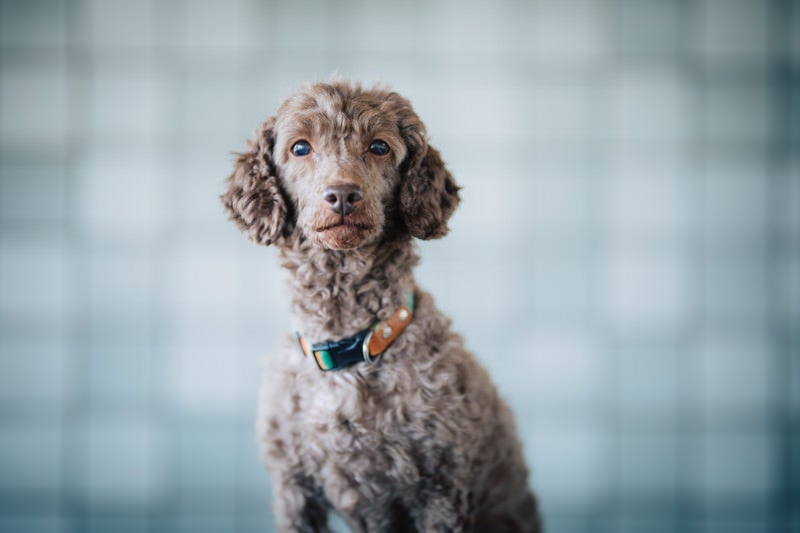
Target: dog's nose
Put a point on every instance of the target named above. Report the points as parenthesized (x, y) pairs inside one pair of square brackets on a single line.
[(342, 198)]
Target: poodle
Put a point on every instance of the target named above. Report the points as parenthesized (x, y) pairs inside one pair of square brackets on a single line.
[(373, 409)]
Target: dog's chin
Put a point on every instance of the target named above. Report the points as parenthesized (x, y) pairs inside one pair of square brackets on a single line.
[(344, 235)]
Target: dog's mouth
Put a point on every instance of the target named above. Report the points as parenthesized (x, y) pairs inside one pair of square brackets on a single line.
[(344, 233), (344, 224)]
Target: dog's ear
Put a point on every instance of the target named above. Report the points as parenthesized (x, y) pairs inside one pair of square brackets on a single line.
[(254, 200), (428, 194)]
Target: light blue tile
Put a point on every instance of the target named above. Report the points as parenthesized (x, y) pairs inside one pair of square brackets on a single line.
[(734, 287), (735, 374), (736, 522), (570, 462), (122, 24), (649, 200), (648, 466), (555, 283), (34, 373), (34, 278), (31, 457), (738, 464), (130, 103), (651, 105), (651, 29), (120, 194), (121, 373), (210, 109), (34, 105), (788, 193), (203, 281), (119, 523), (38, 522), (207, 455), (575, 32), (122, 282), (733, 31), (36, 24), (33, 192), (199, 379), (124, 461), (550, 368), (649, 380), (644, 290), (557, 111), (738, 112)]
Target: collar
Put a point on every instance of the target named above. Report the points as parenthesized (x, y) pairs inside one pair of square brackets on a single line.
[(366, 345)]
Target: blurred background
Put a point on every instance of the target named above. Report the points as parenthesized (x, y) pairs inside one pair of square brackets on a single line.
[(626, 258)]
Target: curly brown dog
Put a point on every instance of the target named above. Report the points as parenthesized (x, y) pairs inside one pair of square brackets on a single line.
[(378, 412)]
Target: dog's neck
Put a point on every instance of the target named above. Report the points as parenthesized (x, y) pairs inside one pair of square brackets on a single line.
[(338, 293)]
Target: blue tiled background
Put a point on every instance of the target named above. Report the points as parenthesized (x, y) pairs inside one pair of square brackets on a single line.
[(626, 259)]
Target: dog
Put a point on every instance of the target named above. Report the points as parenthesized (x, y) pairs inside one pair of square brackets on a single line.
[(374, 409)]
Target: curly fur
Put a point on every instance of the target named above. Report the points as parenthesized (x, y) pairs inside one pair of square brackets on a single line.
[(420, 442)]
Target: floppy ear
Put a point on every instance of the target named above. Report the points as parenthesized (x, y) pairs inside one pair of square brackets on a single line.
[(254, 200), (428, 194)]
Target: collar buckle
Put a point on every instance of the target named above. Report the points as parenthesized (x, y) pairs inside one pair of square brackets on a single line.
[(373, 360)]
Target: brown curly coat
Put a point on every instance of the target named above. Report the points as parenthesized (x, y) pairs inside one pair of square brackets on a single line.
[(421, 441)]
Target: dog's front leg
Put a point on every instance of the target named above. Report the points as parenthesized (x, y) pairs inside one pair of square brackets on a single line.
[(446, 512), (298, 506)]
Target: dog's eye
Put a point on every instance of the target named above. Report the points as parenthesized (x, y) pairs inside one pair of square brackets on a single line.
[(379, 148), (301, 148)]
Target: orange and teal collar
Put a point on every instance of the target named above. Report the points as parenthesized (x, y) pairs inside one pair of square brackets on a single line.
[(366, 345)]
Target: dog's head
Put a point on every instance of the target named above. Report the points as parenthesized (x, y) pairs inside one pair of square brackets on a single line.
[(341, 167)]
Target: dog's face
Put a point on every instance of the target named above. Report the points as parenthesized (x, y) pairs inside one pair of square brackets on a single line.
[(340, 166)]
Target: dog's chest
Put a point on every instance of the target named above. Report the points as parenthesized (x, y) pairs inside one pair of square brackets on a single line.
[(348, 414)]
